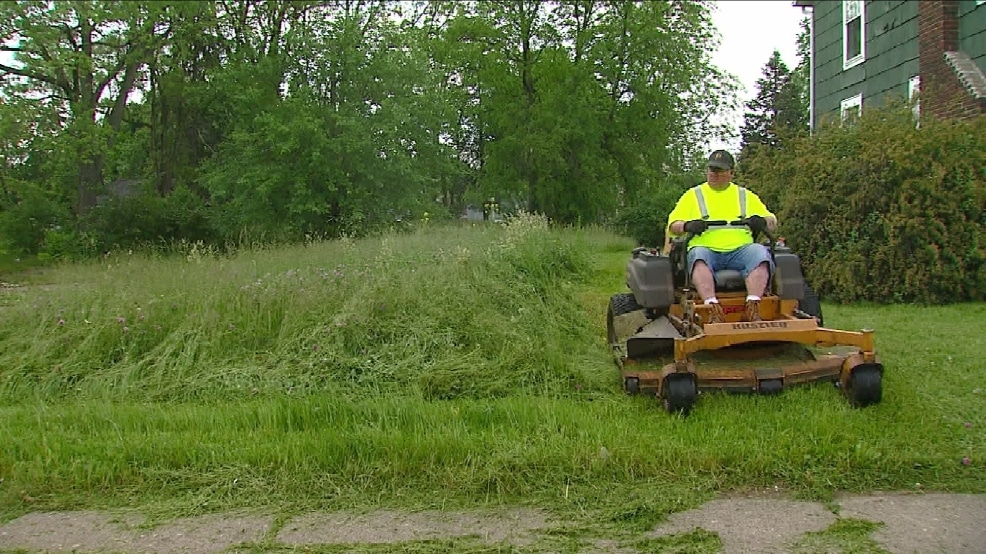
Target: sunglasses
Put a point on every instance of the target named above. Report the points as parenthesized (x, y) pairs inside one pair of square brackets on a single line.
[(718, 170)]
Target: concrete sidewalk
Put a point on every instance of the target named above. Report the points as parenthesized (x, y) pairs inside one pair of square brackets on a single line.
[(911, 523)]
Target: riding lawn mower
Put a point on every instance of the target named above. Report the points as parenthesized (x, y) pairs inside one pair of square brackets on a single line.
[(665, 346)]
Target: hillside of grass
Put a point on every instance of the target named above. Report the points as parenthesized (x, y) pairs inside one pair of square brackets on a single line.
[(452, 366), (484, 313)]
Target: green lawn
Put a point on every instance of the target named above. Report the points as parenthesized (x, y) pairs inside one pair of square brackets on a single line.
[(455, 366)]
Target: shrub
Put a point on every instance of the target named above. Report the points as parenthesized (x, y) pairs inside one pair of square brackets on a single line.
[(67, 244), (147, 218), (27, 213), (882, 210), (645, 219)]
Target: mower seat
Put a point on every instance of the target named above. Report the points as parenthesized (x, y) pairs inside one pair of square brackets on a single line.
[(726, 280), (729, 280)]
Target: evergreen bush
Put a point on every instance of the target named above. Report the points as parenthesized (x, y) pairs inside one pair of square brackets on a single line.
[(883, 210)]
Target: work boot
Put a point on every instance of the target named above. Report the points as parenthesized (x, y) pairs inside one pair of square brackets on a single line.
[(753, 310), (716, 315)]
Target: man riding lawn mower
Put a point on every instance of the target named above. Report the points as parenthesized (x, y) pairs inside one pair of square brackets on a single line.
[(719, 311)]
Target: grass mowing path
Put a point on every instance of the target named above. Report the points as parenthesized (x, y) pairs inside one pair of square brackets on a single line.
[(441, 369)]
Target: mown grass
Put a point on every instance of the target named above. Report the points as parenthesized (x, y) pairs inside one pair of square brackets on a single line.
[(449, 367), (845, 535)]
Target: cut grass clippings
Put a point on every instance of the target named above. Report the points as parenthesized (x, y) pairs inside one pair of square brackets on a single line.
[(451, 367), (845, 535)]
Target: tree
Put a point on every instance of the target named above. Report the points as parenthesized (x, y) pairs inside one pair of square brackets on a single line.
[(299, 116), (777, 111), (571, 107), (82, 59), (353, 143), (801, 76)]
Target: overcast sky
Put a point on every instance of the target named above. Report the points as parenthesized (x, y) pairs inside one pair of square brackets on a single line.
[(751, 30)]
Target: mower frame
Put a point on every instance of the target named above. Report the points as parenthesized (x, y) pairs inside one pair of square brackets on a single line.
[(668, 351)]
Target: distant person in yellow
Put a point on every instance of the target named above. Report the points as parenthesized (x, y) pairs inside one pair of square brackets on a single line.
[(490, 209), (718, 247)]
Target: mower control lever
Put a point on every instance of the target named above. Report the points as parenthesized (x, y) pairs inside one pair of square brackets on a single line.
[(711, 223), (736, 222), (762, 227)]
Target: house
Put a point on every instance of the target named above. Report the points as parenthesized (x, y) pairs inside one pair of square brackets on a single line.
[(864, 52)]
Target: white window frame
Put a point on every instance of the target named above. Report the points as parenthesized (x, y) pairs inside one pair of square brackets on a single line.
[(850, 103), (914, 89), (851, 9)]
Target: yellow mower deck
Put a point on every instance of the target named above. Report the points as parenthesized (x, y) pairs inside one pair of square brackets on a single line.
[(739, 356)]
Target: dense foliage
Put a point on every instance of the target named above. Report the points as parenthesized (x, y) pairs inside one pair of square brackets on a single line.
[(227, 123), (288, 119), (884, 210), (647, 219)]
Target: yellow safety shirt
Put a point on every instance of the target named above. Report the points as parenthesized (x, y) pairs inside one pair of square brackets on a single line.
[(704, 202)]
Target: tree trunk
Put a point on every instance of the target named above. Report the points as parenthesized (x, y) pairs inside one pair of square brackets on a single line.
[(90, 181)]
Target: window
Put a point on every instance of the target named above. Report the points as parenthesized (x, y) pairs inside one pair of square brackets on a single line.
[(852, 108), (913, 88), (853, 33)]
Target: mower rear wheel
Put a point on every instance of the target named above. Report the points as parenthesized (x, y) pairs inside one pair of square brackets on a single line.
[(865, 386), (619, 304), (631, 385), (810, 304), (679, 393), (623, 303)]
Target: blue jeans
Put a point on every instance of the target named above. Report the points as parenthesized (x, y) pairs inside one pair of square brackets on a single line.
[(744, 259)]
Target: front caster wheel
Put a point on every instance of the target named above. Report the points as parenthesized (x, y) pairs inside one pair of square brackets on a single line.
[(865, 385), (679, 393)]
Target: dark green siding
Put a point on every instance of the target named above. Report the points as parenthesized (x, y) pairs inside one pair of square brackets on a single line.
[(972, 31), (892, 34), (891, 50), (829, 79)]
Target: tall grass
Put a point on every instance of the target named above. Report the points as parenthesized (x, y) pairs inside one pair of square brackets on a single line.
[(480, 314), (452, 366)]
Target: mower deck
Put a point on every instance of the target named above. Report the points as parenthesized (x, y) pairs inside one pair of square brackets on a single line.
[(741, 368), (737, 356)]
